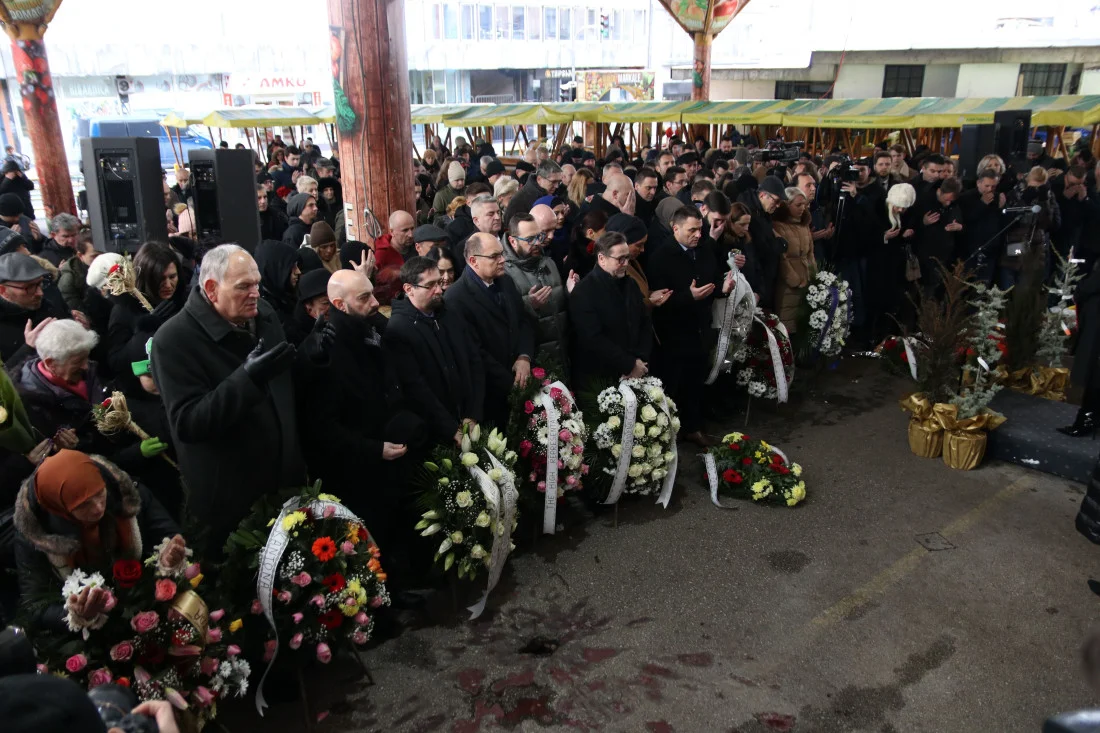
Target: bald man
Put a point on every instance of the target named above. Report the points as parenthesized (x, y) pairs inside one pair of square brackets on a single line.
[(395, 246), (546, 219), (617, 198), (223, 367)]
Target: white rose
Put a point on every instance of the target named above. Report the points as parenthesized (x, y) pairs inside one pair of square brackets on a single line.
[(616, 450), (483, 519), (666, 436), (653, 431), (495, 475), (638, 451), (477, 552), (456, 537), (614, 421), (634, 471), (648, 413), (639, 430), (662, 420), (654, 450), (463, 499)]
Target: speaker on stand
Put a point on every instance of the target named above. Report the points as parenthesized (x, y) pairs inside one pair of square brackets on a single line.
[(125, 189), (225, 196)]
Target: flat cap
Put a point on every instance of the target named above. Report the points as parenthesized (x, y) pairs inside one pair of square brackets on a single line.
[(19, 268), (429, 233)]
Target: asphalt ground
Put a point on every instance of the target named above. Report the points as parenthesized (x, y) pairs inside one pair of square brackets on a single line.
[(901, 596)]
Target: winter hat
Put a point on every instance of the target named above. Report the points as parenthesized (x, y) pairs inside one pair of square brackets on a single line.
[(429, 233), (97, 271), (186, 223), (629, 226), (774, 186), (10, 240), (901, 195), (495, 167), (455, 172), (312, 284), (321, 234), (11, 205), (296, 204), (1034, 147)]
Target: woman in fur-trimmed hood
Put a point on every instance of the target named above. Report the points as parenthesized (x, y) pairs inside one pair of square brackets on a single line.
[(80, 511)]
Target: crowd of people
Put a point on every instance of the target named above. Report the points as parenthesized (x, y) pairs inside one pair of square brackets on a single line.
[(318, 357)]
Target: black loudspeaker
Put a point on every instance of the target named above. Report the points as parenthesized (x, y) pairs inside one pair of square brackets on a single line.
[(977, 142), (1012, 130), (125, 189), (225, 196)]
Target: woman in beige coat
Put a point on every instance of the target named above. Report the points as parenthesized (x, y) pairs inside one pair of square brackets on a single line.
[(791, 221)]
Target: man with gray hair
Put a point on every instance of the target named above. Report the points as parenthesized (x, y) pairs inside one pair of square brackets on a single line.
[(485, 213), (223, 367), (545, 180), (64, 229)]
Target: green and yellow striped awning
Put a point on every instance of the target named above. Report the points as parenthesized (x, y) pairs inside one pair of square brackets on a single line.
[(260, 117), (737, 112)]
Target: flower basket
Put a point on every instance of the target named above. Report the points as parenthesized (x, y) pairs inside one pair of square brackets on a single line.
[(826, 317)]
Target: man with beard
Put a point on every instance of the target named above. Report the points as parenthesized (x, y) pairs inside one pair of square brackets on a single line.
[(495, 319), (690, 270), (546, 180), (302, 210), (437, 364), (645, 195), (882, 163), (608, 313), (544, 294), (273, 223), (223, 368)]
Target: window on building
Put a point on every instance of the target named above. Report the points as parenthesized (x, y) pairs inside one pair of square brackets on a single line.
[(593, 22), (485, 22), (518, 27), (565, 26), (503, 22), (534, 24), (639, 27), (803, 90), (469, 22), (550, 23), (435, 10), (616, 25), (905, 80), (1041, 80), (450, 22)]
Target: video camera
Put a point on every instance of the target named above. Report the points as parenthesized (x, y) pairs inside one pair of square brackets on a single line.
[(778, 151), (845, 171)]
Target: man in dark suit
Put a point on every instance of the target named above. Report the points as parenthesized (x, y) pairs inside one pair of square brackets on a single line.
[(438, 368), (689, 268), (492, 308), (613, 335)]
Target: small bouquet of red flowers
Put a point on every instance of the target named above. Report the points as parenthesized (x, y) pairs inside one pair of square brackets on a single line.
[(745, 468), (899, 354), (151, 632)]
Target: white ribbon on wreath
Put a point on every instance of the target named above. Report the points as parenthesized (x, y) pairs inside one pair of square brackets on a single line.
[(777, 357), (630, 413), (550, 501), (741, 290), (712, 476), (499, 496), (910, 357), (270, 557)]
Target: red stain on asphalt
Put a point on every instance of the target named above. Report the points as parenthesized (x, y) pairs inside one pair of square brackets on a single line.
[(480, 711), (529, 708), (561, 675), (520, 679), (696, 659), (619, 707), (470, 680), (658, 671), (659, 726), (598, 655), (776, 721)]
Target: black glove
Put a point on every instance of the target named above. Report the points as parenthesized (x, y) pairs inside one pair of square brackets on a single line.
[(320, 340), (264, 366), (155, 319)]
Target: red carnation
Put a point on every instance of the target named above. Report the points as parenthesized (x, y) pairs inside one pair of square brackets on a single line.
[(331, 619), (890, 343), (335, 583), (747, 461), (731, 477), (777, 459), (105, 403), (114, 268), (127, 573), (905, 357)]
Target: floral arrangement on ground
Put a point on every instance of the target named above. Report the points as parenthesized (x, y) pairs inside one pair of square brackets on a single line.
[(756, 359), (319, 574), (542, 410), (826, 316), (650, 443), (746, 468), (154, 635), (469, 497), (898, 359)]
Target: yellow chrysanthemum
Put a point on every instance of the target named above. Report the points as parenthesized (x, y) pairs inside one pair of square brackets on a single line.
[(292, 520), (235, 626), (353, 533), (349, 611), (328, 497), (796, 469), (764, 444), (733, 437)]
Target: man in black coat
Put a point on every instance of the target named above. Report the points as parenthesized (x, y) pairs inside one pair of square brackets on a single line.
[(690, 270), (24, 306), (546, 180), (223, 368), (302, 210), (761, 203), (612, 332), (492, 308), (983, 238), (437, 365), (273, 222), (939, 219)]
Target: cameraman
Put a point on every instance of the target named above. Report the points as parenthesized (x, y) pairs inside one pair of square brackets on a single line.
[(861, 210), (939, 220), (761, 202), (981, 239)]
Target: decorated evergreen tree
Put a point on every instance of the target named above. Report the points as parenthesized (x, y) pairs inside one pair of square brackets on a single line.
[(982, 351), (1053, 332)]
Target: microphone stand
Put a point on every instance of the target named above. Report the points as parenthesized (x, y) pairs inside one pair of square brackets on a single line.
[(997, 236)]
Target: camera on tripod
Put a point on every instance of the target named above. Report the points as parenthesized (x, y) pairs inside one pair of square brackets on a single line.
[(778, 151), (845, 171)]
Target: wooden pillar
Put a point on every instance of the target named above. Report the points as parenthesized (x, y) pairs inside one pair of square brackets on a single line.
[(32, 68), (700, 72), (373, 119)]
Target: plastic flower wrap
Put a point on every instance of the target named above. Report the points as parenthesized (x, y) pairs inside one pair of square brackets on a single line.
[(765, 361), (745, 468), (155, 635), (650, 445)]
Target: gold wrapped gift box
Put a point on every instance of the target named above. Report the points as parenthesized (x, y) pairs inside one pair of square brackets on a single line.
[(925, 432)]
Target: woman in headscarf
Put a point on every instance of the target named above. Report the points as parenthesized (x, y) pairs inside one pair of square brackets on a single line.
[(80, 512)]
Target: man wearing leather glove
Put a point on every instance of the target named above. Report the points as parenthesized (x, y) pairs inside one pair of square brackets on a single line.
[(223, 368)]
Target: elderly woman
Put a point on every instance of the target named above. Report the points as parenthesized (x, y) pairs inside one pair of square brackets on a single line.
[(791, 222), (80, 512), (504, 189), (156, 268)]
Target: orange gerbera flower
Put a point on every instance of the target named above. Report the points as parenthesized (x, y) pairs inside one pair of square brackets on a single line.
[(324, 549)]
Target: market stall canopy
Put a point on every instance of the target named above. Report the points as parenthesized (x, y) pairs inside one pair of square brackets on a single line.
[(489, 115), (740, 112), (260, 117), (182, 119)]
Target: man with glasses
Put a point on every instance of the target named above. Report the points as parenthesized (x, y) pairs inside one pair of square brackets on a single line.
[(761, 203), (27, 305), (608, 314), (546, 180), (437, 364), (537, 278), (485, 214), (675, 180), (491, 307)]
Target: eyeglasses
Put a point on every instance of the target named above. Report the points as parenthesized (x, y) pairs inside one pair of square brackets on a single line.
[(32, 287), (432, 285), (495, 257), (621, 260), (535, 239)]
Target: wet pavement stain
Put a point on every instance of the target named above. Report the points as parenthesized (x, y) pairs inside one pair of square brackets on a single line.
[(787, 561)]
